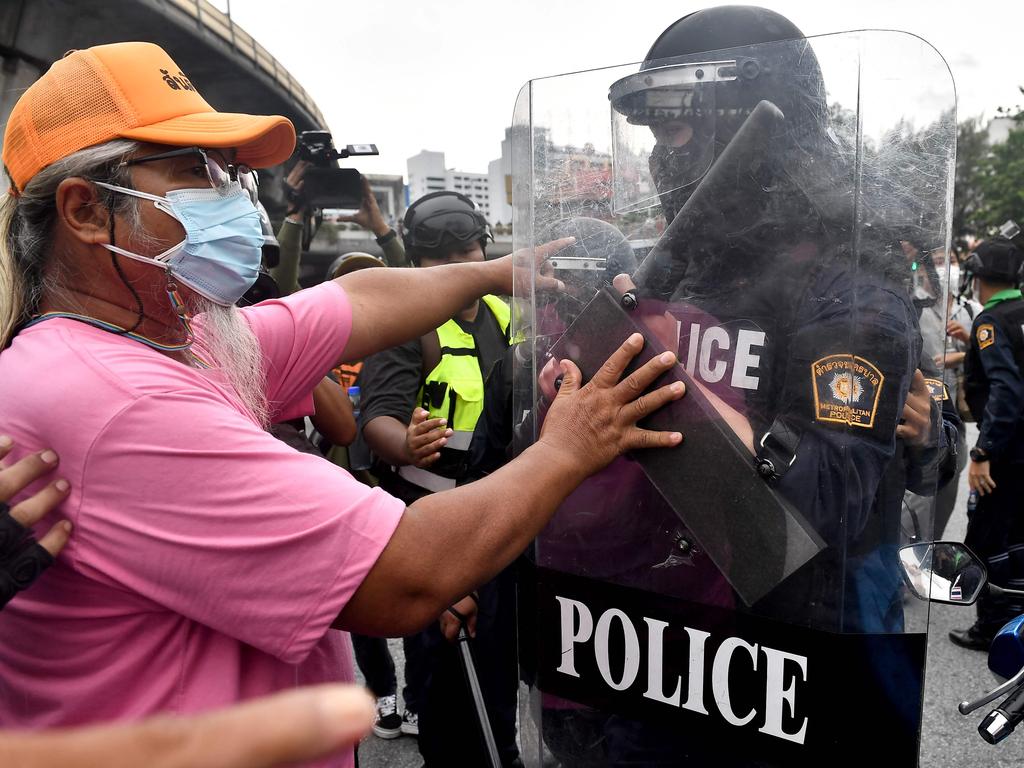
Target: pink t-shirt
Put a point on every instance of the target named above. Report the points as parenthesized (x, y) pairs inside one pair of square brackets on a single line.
[(208, 559)]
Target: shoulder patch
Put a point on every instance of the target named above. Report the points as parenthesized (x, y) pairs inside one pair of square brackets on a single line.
[(986, 335), (937, 389), (846, 390)]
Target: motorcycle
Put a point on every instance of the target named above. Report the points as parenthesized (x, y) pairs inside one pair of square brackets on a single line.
[(948, 572)]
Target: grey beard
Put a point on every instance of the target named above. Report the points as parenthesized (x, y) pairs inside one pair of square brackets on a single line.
[(232, 348)]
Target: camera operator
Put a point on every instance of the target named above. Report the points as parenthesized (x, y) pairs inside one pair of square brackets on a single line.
[(319, 152)]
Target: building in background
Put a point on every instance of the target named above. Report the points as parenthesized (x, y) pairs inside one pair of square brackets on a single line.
[(499, 185), (427, 174)]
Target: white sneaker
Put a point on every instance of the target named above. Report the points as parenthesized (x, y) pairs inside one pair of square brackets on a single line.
[(410, 723), (388, 724)]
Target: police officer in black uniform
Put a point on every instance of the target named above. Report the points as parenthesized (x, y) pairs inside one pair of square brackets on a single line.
[(994, 389), (828, 328), (793, 313)]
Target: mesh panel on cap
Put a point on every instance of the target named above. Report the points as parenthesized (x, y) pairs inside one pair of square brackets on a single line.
[(71, 107)]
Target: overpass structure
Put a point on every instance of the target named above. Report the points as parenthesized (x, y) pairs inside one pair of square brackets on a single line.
[(232, 71)]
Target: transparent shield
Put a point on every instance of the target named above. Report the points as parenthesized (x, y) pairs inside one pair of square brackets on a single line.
[(719, 601)]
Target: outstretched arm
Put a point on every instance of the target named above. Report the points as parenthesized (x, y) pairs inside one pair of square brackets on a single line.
[(275, 731), (450, 542), (391, 306)]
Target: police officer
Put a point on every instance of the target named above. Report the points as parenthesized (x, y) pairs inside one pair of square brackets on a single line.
[(420, 404), (822, 331), (994, 389), (804, 331)]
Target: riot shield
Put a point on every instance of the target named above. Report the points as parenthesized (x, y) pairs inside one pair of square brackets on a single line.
[(737, 600)]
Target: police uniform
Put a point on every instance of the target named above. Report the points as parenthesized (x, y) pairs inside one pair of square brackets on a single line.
[(820, 361), (994, 390)]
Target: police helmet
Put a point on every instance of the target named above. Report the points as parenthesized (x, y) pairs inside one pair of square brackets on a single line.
[(998, 259), (714, 95), (440, 221), (351, 262)]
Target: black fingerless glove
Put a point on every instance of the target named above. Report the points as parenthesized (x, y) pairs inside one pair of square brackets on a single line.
[(21, 557)]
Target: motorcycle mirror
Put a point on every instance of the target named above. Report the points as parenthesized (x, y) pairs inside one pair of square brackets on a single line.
[(943, 572)]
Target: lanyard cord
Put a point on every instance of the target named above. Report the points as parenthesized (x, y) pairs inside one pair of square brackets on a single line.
[(172, 293)]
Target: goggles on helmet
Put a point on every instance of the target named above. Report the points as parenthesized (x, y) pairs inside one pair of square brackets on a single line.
[(443, 227), (219, 171)]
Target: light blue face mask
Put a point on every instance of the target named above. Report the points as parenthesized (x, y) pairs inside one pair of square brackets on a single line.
[(220, 255)]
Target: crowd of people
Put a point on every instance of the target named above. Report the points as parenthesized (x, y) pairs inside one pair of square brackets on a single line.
[(229, 468)]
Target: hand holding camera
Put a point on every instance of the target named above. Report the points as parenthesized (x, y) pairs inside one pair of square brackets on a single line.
[(320, 184), (368, 216)]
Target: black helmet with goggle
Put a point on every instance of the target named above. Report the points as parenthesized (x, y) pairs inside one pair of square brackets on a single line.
[(441, 221), (998, 259)]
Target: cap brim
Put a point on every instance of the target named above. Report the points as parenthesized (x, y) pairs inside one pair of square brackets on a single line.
[(261, 140)]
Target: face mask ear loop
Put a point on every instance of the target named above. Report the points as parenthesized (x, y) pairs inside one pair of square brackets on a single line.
[(179, 308), (120, 272)]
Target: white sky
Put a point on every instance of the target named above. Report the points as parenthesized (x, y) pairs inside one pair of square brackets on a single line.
[(444, 75)]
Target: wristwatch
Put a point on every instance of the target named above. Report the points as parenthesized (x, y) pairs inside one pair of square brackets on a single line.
[(978, 455), (387, 237)]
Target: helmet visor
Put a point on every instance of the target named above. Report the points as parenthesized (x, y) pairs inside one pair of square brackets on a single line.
[(663, 130)]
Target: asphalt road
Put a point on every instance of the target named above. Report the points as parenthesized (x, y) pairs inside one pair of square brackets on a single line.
[(948, 738)]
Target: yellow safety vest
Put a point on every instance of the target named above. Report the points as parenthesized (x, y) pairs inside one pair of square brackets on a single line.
[(454, 389)]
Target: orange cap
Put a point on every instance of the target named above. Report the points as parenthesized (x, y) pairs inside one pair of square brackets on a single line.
[(131, 91)]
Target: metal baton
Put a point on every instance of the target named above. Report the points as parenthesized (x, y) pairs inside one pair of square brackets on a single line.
[(478, 696)]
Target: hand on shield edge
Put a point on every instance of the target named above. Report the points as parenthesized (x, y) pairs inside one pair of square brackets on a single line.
[(527, 261), (916, 425), (596, 422)]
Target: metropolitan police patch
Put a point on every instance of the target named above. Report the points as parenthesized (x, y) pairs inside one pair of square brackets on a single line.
[(846, 390), (937, 389), (986, 334)]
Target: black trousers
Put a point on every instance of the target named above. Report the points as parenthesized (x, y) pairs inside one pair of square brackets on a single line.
[(375, 662), (995, 532), (450, 732)]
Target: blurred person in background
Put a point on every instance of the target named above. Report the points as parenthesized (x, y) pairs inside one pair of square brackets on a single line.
[(994, 390)]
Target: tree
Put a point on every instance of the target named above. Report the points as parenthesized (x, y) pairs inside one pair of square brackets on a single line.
[(1002, 179), (972, 150)]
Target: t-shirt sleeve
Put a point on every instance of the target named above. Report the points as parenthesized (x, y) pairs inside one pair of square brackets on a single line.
[(232, 528), (390, 381), (302, 337)]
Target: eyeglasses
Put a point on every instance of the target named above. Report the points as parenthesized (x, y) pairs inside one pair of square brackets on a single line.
[(219, 171)]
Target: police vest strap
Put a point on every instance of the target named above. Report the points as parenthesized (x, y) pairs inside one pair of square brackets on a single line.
[(425, 479), (777, 451)]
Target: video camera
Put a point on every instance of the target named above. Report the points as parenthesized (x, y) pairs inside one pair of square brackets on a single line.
[(325, 185)]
